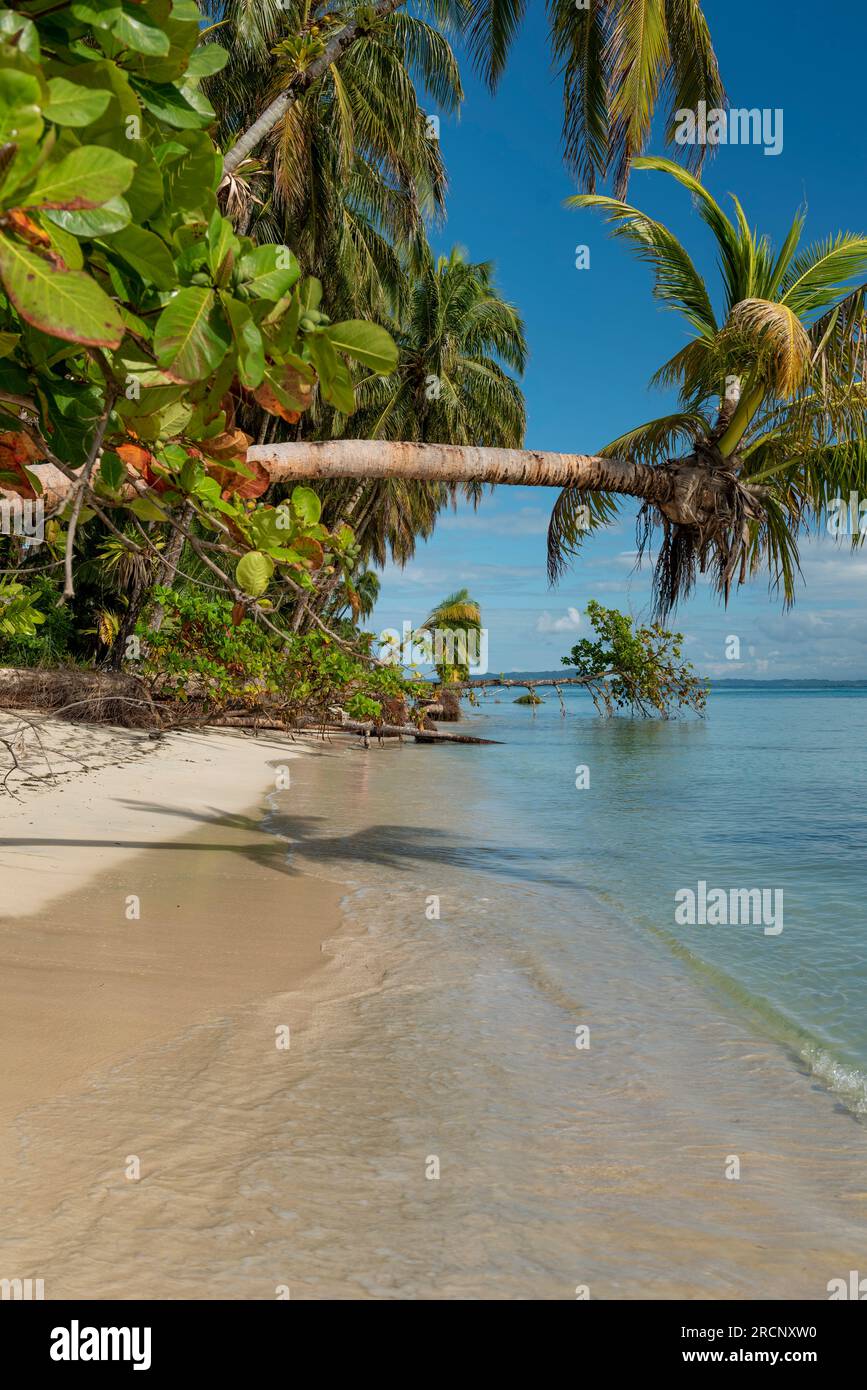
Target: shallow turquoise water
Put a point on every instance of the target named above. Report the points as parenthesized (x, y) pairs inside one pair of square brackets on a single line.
[(767, 792)]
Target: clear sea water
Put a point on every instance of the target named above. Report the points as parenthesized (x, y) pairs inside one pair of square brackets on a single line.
[(767, 791)]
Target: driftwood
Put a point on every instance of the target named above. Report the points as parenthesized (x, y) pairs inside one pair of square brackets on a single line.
[(355, 726)]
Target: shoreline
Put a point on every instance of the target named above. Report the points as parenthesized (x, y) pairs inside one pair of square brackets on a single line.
[(127, 930), (152, 1041)]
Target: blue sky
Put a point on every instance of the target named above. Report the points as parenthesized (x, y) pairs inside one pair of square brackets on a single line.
[(596, 336)]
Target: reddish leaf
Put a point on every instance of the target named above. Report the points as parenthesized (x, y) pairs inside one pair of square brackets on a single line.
[(17, 221), (310, 549), (251, 483), (17, 452), (231, 444), (139, 459), (268, 401)]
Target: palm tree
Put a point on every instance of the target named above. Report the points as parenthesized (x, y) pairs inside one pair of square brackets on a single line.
[(459, 615), (450, 387), (773, 413), (615, 57), (348, 175), (366, 586), (766, 396)]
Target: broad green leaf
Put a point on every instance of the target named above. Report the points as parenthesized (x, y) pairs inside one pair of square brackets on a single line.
[(248, 342), (310, 293), (63, 303), (66, 246), (147, 255), (112, 470), (193, 94), (114, 215), (341, 389), (70, 104), (190, 180), (145, 193), (8, 343), (207, 59), (101, 14), (135, 29), (146, 510), (85, 178), (366, 343), (24, 33), (20, 121), (269, 272), (253, 573), (191, 337), (74, 410), (325, 360), (169, 104), (307, 504), (221, 240)]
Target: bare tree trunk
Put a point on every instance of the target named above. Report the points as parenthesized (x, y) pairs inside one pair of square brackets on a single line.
[(171, 560)]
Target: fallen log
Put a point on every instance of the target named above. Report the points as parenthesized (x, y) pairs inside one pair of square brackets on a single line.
[(355, 726)]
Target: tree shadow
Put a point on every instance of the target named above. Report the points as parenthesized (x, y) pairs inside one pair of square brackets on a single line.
[(292, 843), (387, 846)]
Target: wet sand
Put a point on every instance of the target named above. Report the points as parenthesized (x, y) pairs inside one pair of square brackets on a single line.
[(149, 900)]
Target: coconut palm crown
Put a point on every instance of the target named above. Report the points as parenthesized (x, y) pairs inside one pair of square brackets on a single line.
[(772, 399)]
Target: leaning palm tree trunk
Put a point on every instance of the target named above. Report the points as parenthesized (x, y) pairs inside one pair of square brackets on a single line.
[(311, 460), (686, 490)]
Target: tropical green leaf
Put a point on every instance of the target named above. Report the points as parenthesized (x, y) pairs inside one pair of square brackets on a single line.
[(65, 303), (253, 572), (101, 14), (268, 272), (248, 342), (94, 222), (85, 178), (147, 255), (207, 59), (20, 118), (74, 105), (22, 32), (307, 504), (191, 336), (169, 104), (366, 343), (135, 29)]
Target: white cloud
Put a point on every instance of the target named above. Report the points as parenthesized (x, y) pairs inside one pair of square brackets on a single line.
[(570, 622)]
